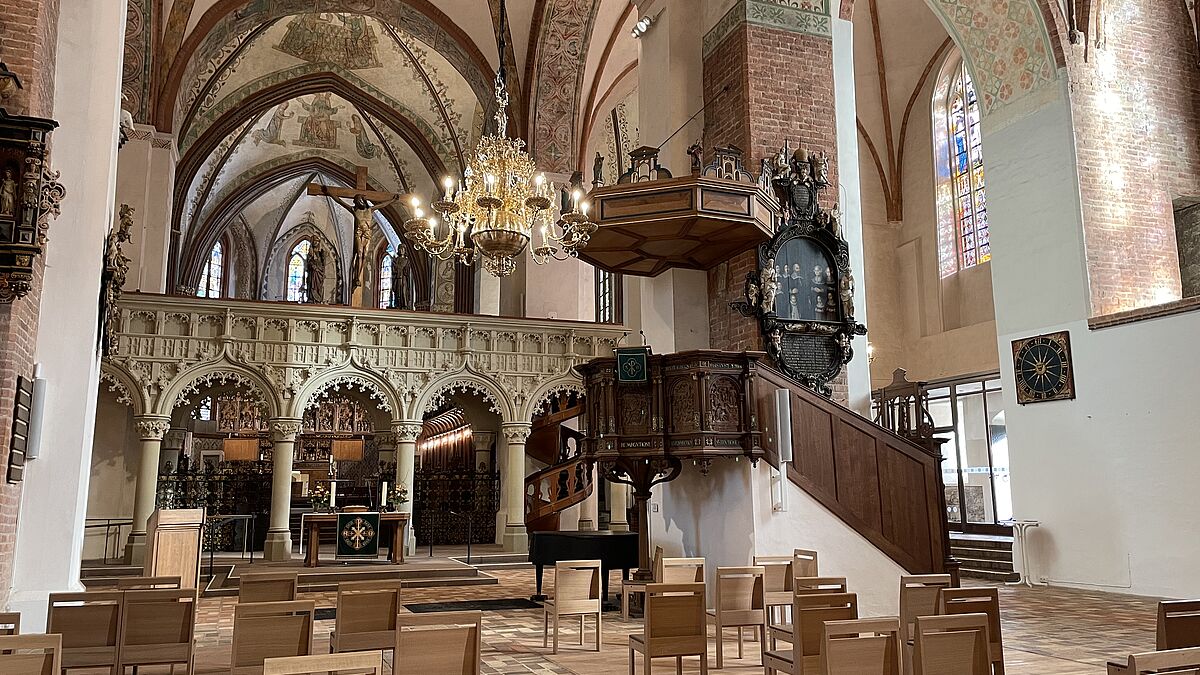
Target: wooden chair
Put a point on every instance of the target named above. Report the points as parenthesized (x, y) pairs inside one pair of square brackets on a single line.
[(629, 588), (267, 630), (679, 571), (366, 616), (810, 611), (777, 583), (804, 563), (951, 645), (10, 623), (90, 625), (978, 601), (739, 603), (862, 646), (804, 586), (267, 587), (1178, 624), (354, 663), (143, 583), (31, 654), (918, 597), (440, 643), (158, 627), (576, 593), (1175, 661), (676, 625)]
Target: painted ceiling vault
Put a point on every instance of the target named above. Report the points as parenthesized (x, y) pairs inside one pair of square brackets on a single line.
[(264, 97)]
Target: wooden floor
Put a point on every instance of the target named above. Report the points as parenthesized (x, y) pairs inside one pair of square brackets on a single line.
[(1046, 632)]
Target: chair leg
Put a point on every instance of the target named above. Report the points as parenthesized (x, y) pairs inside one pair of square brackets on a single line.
[(678, 665), (741, 645), (581, 630), (720, 646), (631, 661), (646, 663), (704, 663), (599, 639), (762, 642), (624, 604), (555, 650), (545, 629)]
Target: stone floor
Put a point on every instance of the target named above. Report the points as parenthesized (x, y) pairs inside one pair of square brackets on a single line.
[(1047, 631)]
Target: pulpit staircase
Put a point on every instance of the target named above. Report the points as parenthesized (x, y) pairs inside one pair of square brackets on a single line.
[(566, 480)]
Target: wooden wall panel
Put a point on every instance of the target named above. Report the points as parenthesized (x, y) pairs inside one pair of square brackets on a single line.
[(857, 474), (904, 497), (812, 445)]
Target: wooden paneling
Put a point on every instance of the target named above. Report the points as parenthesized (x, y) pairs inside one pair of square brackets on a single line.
[(812, 445), (857, 473)]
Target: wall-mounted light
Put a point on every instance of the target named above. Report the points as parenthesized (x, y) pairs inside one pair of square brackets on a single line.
[(643, 25)]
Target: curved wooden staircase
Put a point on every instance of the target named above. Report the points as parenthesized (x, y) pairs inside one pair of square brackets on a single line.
[(566, 481)]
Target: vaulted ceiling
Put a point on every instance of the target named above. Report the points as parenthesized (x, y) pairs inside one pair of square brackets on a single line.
[(264, 96)]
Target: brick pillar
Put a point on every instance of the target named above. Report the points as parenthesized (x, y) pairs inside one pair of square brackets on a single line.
[(764, 84), (28, 37)]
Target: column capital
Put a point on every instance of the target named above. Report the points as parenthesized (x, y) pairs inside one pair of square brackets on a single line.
[(516, 432), (152, 427), (284, 429), (407, 431)]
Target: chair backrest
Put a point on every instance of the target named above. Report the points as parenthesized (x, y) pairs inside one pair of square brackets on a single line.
[(860, 647), (804, 563), (366, 615), (31, 654), (676, 621), (10, 623), (1174, 661), (740, 595), (975, 601), (142, 583), (818, 585), (1178, 624), (265, 630), (351, 663), (267, 587), (951, 645), (89, 624), (810, 612), (679, 571), (577, 586), (439, 643), (919, 597), (778, 570), (157, 626)]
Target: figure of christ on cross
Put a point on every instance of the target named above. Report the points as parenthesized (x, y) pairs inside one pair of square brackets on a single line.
[(363, 203)]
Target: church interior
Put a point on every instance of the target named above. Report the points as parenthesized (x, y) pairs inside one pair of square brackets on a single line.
[(430, 336)]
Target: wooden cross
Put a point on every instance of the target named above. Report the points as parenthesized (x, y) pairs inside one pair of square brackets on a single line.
[(360, 189)]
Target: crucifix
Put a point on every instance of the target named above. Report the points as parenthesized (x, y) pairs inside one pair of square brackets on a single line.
[(363, 203)]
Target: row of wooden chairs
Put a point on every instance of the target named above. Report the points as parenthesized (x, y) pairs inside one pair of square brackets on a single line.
[(116, 629), (1177, 641)]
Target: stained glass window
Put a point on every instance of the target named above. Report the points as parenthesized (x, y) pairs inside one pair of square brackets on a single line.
[(385, 278), (966, 171), (204, 410), (297, 291), (212, 279), (608, 297)]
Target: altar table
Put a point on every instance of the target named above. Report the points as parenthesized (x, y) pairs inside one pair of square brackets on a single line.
[(315, 521)]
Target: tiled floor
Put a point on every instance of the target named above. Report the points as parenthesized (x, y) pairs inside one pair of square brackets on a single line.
[(1046, 632)]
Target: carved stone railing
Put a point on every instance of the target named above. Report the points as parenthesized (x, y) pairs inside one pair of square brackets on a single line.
[(167, 347)]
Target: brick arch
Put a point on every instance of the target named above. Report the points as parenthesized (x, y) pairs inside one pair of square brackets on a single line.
[(421, 18)]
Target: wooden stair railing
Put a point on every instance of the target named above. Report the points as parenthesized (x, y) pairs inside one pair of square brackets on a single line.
[(886, 487), (554, 489)]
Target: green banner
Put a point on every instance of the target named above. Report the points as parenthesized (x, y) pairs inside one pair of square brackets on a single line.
[(357, 536)]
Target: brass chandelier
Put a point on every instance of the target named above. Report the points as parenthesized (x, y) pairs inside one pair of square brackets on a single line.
[(491, 215)]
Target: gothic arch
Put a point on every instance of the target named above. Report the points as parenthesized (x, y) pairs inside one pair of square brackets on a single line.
[(352, 375), (464, 380), (223, 370), (226, 18), (275, 265), (124, 386), (570, 382)]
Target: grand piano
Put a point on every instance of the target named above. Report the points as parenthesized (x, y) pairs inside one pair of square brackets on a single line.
[(614, 550)]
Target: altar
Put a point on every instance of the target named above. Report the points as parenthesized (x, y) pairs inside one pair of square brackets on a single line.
[(312, 523)]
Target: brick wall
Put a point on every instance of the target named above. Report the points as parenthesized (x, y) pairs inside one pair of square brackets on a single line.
[(28, 35), (765, 86), (1136, 110)]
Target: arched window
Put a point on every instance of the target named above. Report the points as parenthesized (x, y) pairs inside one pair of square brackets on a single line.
[(962, 203), (297, 291), (385, 277), (212, 279)]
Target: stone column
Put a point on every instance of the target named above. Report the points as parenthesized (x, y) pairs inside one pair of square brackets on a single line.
[(407, 432), (618, 507), (151, 429), (279, 532), (589, 508), (513, 486), (483, 441)]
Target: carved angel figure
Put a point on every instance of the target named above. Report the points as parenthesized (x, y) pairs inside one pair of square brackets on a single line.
[(846, 293), (770, 286), (820, 167)]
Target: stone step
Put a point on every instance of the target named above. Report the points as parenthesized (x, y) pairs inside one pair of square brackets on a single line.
[(963, 552), (990, 575), (981, 541), (996, 565)]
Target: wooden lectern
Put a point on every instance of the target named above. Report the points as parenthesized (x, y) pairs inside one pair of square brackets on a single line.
[(173, 544)]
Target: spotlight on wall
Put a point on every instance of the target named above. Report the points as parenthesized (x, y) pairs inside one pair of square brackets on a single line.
[(643, 25)]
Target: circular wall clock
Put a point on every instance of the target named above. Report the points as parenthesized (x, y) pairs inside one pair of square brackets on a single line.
[(1042, 368)]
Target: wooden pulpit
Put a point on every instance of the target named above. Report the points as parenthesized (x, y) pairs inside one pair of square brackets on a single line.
[(173, 545)]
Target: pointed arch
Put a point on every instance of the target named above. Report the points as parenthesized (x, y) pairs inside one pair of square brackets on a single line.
[(350, 374), (223, 370), (464, 380), (120, 382), (278, 258), (570, 382)]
